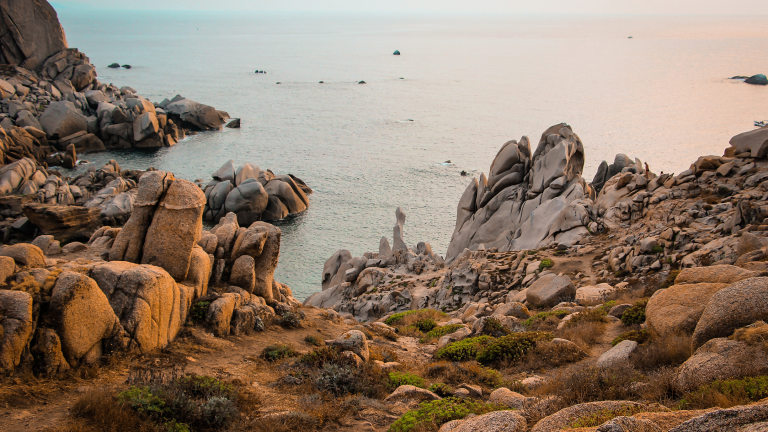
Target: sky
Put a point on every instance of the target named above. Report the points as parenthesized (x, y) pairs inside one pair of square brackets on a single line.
[(706, 7)]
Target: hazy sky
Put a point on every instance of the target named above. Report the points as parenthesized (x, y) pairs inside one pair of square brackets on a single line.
[(716, 7)]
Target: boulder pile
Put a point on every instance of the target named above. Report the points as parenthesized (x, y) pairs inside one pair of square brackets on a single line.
[(529, 199), (253, 194), (135, 289)]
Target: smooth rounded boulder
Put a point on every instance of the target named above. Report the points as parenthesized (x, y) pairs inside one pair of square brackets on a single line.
[(176, 228), (62, 119), (549, 290), (737, 305), (676, 310)]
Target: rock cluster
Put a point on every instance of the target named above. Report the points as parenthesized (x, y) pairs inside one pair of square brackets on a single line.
[(529, 199), (350, 283), (58, 314), (253, 194)]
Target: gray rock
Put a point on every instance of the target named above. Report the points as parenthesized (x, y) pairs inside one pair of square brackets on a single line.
[(676, 310), (17, 323), (617, 355), (629, 424), (410, 392), (755, 142), (332, 266), (566, 416), (355, 341), (397, 236), (549, 290), (497, 421), (62, 119), (243, 274), (248, 201), (33, 33), (727, 419)]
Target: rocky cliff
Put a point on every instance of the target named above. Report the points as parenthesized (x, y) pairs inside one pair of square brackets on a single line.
[(30, 33)]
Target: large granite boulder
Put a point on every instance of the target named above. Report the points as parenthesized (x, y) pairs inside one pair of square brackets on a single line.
[(65, 223), (27, 256), (754, 142), (82, 316), (175, 229), (31, 33), (62, 119), (509, 213), (676, 310), (17, 323), (549, 290), (720, 359), (497, 421), (195, 114), (739, 304), (566, 416), (129, 243), (147, 301), (266, 262)]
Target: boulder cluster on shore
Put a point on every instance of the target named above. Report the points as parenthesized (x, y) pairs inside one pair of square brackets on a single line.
[(633, 303)]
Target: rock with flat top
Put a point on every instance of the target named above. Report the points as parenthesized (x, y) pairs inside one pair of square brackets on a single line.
[(549, 290)]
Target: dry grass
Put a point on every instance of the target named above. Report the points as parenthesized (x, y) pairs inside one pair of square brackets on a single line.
[(755, 334), (547, 355), (99, 410), (657, 353), (584, 333), (315, 413), (581, 384), (456, 373)]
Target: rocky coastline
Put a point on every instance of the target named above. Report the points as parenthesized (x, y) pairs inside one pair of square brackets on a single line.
[(635, 302)]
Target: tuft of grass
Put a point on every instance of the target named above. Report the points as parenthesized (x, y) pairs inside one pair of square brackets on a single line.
[(396, 379), (603, 416), (100, 410), (381, 353), (289, 320), (639, 336), (590, 384), (543, 315), (635, 314), (277, 351), (313, 340), (670, 280), (431, 415), (726, 393), (546, 263), (439, 332), (465, 372), (657, 353), (596, 315)]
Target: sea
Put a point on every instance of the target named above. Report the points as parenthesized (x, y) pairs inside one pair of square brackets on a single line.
[(652, 87)]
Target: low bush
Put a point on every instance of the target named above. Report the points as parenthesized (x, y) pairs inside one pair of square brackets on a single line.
[(425, 325), (440, 389), (439, 332), (547, 355), (100, 410), (381, 353), (670, 280), (431, 415), (466, 372), (313, 340), (726, 393), (320, 356), (465, 349), (590, 384), (199, 311), (603, 416), (289, 320), (493, 327), (511, 347), (341, 380), (584, 334), (635, 314), (411, 316), (396, 379), (656, 353), (546, 263), (596, 315), (277, 352), (543, 315), (639, 336)]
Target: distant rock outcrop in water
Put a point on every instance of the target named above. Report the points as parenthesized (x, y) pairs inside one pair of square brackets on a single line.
[(31, 33), (253, 194), (529, 199)]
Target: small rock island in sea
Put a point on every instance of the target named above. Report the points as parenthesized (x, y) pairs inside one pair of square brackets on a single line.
[(132, 299)]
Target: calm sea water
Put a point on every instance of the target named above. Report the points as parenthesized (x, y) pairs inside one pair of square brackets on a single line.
[(469, 85)]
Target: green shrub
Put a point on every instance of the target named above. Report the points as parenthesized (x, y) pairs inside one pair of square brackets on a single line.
[(277, 352), (486, 349), (635, 314), (440, 389), (290, 320), (735, 391), (313, 340), (639, 336), (657, 249), (202, 386), (144, 401), (546, 263), (511, 347), (199, 311), (465, 349), (396, 379), (429, 416), (607, 306), (542, 315), (493, 327), (440, 331), (425, 325), (670, 280)]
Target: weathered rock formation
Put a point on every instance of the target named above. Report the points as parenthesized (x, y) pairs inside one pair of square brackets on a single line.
[(253, 194), (528, 200), (31, 32)]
